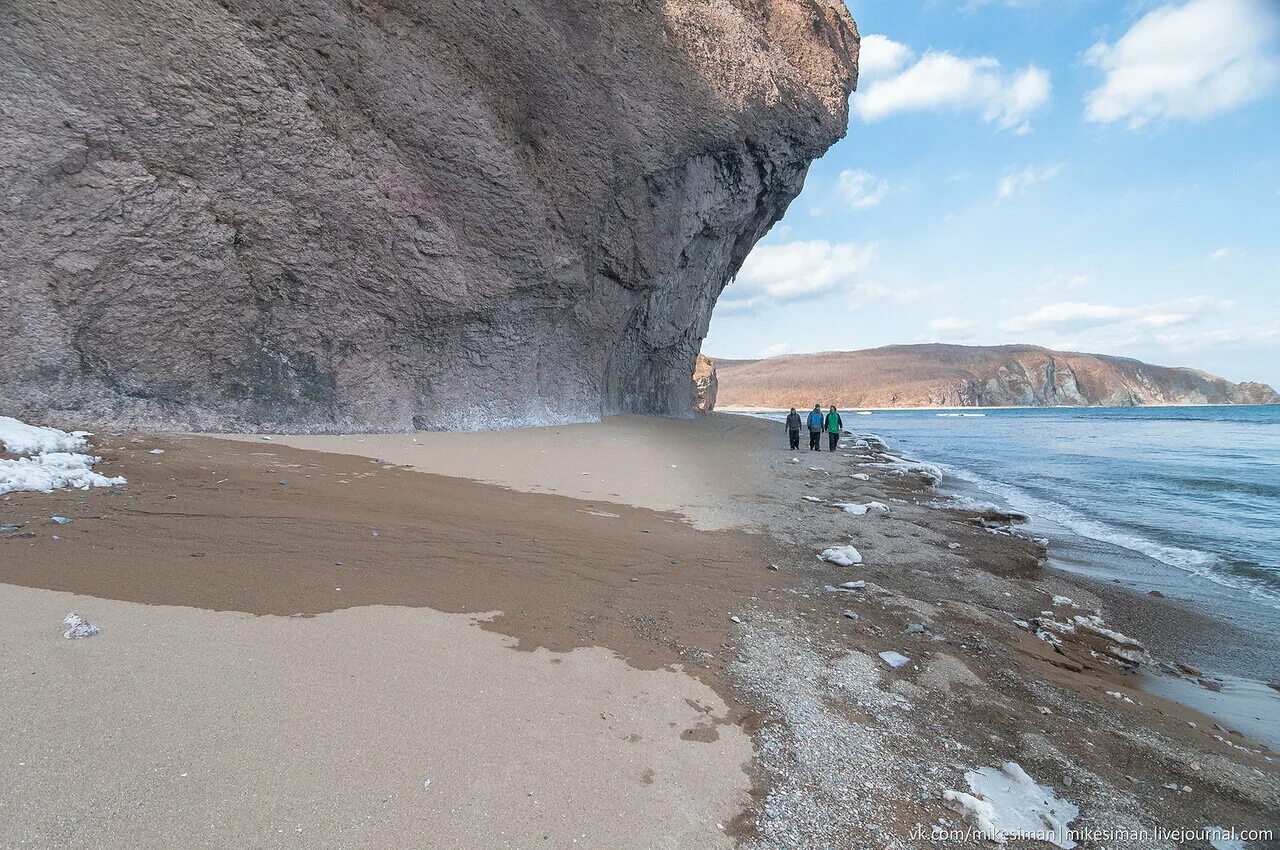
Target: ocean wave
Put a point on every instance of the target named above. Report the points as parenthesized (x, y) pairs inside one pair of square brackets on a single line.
[(1245, 576), (960, 414)]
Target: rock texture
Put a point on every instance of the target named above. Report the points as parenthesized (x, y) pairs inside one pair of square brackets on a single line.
[(329, 215), (966, 376), (705, 385)]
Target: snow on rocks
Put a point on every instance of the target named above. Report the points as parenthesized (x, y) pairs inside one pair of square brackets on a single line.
[(1007, 803), (812, 499), (78, 627), (1089, 638), (845, 556), (49, 459), (860, 509), (860, 476), (847, 587)]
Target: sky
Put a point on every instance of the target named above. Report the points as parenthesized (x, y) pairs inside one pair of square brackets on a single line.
[(1087, 175)]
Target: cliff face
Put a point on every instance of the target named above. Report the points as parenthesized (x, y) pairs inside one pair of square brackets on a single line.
[(705, 385), (967, 376), (385, 214)]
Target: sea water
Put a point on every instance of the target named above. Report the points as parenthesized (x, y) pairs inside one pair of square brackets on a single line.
[(1181, 500)]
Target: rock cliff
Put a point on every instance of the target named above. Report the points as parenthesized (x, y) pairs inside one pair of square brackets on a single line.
[(967, 376), (705, 385), (329, 215)]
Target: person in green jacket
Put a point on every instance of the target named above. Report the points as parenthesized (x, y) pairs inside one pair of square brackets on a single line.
[(834, 424)]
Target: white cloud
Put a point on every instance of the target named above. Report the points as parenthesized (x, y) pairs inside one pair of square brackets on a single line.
[(1188, 61), (1076, 315), (880, 56), (776, 349), (1263, 334), (793, 271), (1017, 182), (861, 188), (952, 327), (871, 291), (942, 80), (1222, 254)]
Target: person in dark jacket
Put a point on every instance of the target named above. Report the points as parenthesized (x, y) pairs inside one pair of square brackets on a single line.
[(793, 429), (816, 425), (834, 425)]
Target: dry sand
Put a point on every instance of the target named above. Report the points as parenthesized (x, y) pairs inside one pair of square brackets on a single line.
[(703, 468), (252, 686), (368, 727)]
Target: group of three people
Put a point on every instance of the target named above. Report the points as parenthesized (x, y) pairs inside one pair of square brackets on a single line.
[(831, 423)]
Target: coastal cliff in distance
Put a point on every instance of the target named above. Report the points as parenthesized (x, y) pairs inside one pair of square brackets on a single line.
[(332, 215), (971, 376)]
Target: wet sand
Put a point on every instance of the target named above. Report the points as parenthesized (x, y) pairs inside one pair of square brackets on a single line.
[(289, 610)]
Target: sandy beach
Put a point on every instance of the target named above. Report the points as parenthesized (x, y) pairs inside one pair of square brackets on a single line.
[(610, 635)]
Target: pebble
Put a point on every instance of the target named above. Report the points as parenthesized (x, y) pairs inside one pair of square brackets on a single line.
[(735, 619), (915, 629), (61, 520)]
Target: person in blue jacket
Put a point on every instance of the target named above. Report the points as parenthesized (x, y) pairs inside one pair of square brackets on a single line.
[(816, 424)]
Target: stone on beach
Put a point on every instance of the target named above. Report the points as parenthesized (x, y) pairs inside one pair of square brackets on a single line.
[(78, 627)]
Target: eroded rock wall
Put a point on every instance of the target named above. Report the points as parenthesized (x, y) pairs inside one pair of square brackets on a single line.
[(330, 215), (705, 385)]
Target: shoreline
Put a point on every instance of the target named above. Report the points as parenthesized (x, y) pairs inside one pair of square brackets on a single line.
[(749, 409), (797, 677)]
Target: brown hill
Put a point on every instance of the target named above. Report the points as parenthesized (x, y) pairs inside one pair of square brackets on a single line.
[(971, 376)]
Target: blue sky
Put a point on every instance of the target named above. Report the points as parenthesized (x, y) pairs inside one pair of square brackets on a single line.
[(1091, 175)]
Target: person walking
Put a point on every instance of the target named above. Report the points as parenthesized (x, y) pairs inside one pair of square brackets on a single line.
[(815, 428), (834, 425), (793, 429)]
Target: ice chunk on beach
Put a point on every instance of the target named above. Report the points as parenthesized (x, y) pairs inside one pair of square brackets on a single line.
[(55, 470), (49, 459), (19, 438), (860, 509), (894, 659), (78, 627), (845, 556), (1007, 803)]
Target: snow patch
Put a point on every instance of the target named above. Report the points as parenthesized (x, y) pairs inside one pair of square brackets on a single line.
[(1007, 803), (845, 556), (860, 509), (19, 438), (49, 459), (894, 659), (48, 472)]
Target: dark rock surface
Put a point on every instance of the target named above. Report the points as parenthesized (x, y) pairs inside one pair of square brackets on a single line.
[(332, 215)]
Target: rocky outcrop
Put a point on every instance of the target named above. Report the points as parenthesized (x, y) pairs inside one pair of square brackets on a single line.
[(968, 376), (326, 215), (705, 385)]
